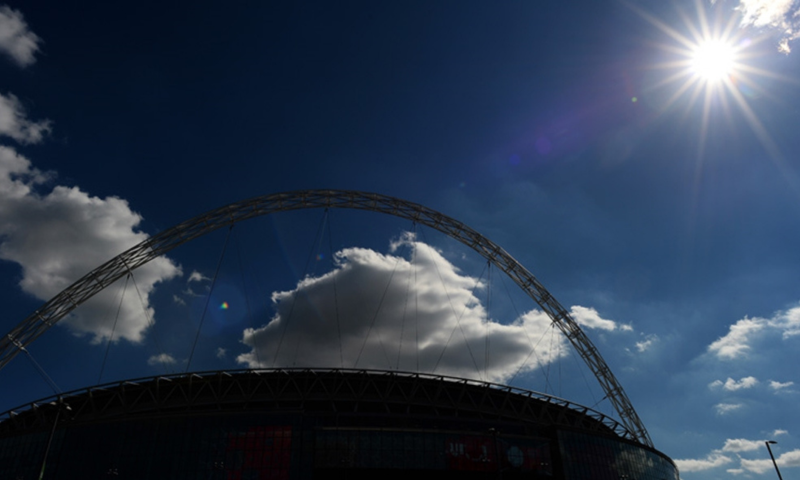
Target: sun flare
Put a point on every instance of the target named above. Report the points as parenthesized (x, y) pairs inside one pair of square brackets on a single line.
[(713, 60), (710, 67)]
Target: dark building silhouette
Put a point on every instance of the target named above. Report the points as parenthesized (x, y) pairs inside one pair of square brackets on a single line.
[(283, 424)]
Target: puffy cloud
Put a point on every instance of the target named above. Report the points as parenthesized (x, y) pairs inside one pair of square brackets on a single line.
[(779, 432), (737, 445), (725, 408), (221, 352), (781, 15), (713, 460), (391, 312), (732, 385), (16, 39), (14, 122), (161, 359), (744, 383), (59, 236), (737, 343)]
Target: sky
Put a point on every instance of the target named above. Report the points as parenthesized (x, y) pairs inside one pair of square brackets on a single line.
[(640, 158)]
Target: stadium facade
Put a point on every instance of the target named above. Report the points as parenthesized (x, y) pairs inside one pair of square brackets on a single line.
[(285, 423)]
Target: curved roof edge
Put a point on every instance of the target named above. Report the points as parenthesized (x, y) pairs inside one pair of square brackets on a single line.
[(302, 387)]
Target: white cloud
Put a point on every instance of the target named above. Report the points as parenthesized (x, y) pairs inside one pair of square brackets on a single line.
[(778, 386), (221, 352), (14, 122), (588, 317), (16, 40), (738, 342), (737, 445), (732, 385), (735, 471), (779, 432), (713, 460), (761, 465), (645, 344), (780, 15), (161, 359), (58, 236), (196, 276), (420, 306), (725, 408)]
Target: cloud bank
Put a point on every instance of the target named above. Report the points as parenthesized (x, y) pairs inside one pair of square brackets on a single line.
[(739, 446), (415, 313), (16, 39)]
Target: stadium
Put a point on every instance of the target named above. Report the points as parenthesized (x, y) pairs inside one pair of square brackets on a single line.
[(317, 422)]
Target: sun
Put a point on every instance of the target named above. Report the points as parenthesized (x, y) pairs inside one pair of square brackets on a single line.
[(709, 61), (713, 60)]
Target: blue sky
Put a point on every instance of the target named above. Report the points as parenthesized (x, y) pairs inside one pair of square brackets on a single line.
[(661, 208)]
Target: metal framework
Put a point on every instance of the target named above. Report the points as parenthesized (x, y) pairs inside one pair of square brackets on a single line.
[(414, 398), (103, 276)]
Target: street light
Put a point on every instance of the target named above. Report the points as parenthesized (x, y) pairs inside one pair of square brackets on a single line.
[(768, 442)]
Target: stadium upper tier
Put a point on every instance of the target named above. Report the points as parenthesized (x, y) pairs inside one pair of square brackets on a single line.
[(286, 423)]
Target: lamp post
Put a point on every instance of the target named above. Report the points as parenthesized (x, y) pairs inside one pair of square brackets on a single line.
[(768, 442)]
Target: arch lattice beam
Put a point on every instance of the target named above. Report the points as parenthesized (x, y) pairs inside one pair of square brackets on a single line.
[(103, 276)]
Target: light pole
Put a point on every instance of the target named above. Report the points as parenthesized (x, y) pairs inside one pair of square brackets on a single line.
[(773, 457)]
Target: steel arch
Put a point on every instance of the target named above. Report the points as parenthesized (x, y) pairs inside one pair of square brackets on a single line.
[(101, 277)]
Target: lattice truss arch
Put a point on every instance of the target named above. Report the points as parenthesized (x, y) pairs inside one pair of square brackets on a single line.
[(103, 276)]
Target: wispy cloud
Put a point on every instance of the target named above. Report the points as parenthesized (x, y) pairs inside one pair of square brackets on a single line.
[(644, 345), (14, 122), (16, 39), (713, 460), (221, 352), (732, 385), (780, 15), (737, 343), (726, 408), (161, 359), (196, 276), (779, 386)]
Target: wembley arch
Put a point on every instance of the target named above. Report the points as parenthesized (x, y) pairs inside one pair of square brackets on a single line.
[(95, 281)]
